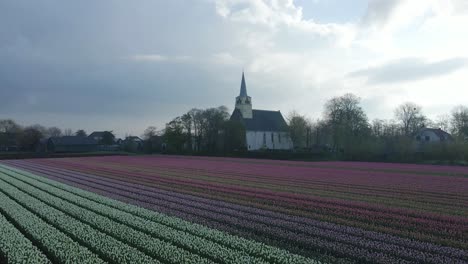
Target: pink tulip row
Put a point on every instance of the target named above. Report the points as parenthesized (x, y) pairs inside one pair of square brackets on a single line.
[(374, 212), (440, 186)]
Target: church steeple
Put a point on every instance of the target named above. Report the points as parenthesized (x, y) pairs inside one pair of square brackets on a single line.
[(243, 90), (243, 101)]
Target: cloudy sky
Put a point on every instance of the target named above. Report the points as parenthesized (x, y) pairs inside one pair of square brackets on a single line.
[(125, 65)]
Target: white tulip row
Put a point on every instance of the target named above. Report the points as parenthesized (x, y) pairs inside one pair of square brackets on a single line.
[(57, 246), (246, 247), (156, 248), (15, 248), (106, 246), (198, 245)]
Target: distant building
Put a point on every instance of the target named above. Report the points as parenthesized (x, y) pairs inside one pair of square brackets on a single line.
[(68, 144), (97, 135), (264, 129), (432, 135), (133, 144)]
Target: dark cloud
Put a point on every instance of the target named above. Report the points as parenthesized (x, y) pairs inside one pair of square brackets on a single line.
[(74, 58), (409, 69), (379, 12)]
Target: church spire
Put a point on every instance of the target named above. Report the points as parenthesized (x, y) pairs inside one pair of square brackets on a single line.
[(243, 90), (243, 101)]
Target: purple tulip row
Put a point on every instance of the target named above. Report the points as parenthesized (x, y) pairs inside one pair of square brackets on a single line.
[(339, 172), (375, 213), (424, 222)]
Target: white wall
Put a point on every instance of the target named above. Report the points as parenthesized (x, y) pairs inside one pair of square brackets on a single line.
[(432, 137), (255, 140)]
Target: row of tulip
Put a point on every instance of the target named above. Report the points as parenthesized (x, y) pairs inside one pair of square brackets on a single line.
[(349, 172), (318, 234), (156, 248), (58, 247), (195, 180), (440, 227), (449, 204), (93, 213), (192, 243), (266, 217), (16, 248), (293, 181)]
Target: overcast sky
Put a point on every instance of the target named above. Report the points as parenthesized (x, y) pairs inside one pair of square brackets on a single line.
[(125, 65)]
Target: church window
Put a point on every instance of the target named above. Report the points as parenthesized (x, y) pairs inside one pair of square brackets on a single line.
[(272, 139), (264, 138)]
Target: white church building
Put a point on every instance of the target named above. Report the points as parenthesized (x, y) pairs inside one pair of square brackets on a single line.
[(264, 129)]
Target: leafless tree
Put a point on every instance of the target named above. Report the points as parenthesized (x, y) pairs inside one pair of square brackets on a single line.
[(410, 117), (9, 126), (54, 132), (68, 132), (459, 121)]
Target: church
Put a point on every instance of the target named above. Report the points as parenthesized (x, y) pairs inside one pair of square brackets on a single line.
[(264, 129)]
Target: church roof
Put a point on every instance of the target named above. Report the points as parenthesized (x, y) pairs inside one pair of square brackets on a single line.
[(262, 120), (243, 90)]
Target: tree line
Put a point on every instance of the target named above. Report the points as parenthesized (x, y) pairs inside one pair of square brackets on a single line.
[(343, 132), (14, 137), (205, 131), (345, 129)]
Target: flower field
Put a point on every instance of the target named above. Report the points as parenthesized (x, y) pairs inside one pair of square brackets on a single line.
[(170, 209)]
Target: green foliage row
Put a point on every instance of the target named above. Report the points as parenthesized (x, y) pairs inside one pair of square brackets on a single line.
[(106, 246), (58, 246), (132, 238), (144, 219), (16, 248), (199, 245)]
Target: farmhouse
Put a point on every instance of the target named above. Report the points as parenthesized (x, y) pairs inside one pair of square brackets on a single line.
[(69, 144), (97, 135), (264, 129), (432, 135)]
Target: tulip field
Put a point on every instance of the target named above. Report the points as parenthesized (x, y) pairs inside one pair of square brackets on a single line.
[(175, 209)]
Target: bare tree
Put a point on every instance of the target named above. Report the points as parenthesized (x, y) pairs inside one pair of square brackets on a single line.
[(9, 126), (411, 117), (68, 132), (347, 121), (299, 129), (81, 133), (150, 132), (30, 138), (54, 132), (459, 121), (443, 122)]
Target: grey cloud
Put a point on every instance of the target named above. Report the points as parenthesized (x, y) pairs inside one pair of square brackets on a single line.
[(409, 69), (379, 12), (71, 58)]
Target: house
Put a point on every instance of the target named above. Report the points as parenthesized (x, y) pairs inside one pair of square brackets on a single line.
[(133, 144), (97, 135), (69, 144), (264, 129), (432, 135)]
